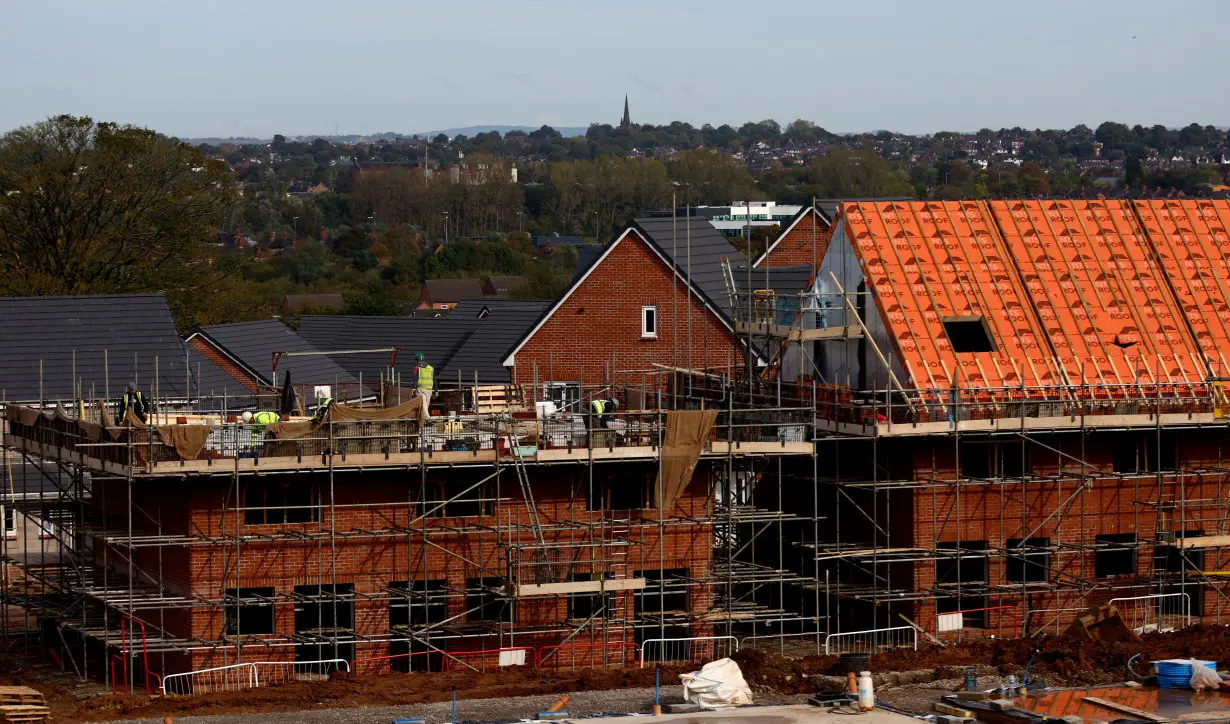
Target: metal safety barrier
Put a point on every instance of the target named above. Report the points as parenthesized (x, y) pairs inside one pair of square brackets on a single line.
[(871, 641), (788, 644), (684, 650), (269, 673), (233, 677), (1160, 610)]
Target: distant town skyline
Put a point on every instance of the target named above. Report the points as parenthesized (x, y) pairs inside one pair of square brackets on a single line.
[(227, 68)]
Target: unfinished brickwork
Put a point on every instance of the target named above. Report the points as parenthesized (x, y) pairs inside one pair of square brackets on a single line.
[(802, 242), (601, 322)]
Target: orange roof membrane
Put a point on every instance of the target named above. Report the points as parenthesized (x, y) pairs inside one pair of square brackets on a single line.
[(930, 260), (1102, 300), (1073, 292), (1190, 238)]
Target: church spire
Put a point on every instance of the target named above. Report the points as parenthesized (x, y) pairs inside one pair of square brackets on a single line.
[(627, 121)]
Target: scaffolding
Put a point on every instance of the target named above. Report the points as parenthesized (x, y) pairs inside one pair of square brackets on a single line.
[(521, 502), (1089, 469)]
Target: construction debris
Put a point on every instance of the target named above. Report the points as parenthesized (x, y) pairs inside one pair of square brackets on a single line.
[(1102, 623), (718, 684)]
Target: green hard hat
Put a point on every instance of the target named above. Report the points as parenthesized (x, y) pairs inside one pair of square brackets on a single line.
[(419, 357)]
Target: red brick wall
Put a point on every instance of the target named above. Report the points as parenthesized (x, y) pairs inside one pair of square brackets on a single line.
[(795, 247), (371, 564), (215, 355), (603, 316), (1112, 504)]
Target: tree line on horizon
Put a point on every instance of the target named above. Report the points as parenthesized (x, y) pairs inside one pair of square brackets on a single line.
[(88, 207)]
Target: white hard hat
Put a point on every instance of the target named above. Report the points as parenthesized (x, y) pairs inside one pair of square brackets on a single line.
[(246, 417)]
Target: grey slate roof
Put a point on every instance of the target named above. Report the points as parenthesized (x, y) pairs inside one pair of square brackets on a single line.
[(51, 329), (252, 345), (707, 250), (484, 349), (781, 279), (474, 337), (450, 291), (436, 337)]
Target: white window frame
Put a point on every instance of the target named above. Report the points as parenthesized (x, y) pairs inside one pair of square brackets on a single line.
[(646, 333), (5, 512)]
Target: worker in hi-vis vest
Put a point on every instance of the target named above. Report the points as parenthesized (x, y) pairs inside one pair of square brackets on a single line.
[(135, 401), (258, 422), (424, 379), (600, 411)]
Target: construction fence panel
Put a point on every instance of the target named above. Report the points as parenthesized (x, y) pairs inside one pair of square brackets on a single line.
[(210, 681), (806, 643), (269, 673), (1157, 612), (871, 641), (686, 650)]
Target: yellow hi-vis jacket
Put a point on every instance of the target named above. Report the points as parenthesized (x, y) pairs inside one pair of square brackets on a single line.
[(427, 377)]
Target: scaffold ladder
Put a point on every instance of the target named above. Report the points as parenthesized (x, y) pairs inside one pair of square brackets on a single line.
[(523, 479)]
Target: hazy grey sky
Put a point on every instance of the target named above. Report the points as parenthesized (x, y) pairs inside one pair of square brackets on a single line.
[(256, 67)]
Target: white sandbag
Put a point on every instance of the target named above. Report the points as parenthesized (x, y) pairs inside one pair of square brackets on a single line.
[(1203, 677), (718, 685)]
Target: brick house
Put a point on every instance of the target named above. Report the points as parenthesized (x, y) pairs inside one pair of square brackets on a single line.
[(1042, 425), (803, 241), (636, 306)]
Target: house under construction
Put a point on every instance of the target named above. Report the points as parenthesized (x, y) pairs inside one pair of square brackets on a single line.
[(982, 416)]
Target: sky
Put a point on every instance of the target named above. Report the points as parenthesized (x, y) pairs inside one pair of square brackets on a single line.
[(195, 68)]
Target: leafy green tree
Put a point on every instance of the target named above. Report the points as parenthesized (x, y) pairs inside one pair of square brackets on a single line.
[(372, 303), (1133, 173), (307, 263), (93, 208), (843, 173)]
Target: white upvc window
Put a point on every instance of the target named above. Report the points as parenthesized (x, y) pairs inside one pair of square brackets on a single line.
[(10, 521), (649, 322)]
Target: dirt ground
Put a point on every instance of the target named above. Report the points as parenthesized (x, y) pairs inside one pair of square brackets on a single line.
[(1060, 662)]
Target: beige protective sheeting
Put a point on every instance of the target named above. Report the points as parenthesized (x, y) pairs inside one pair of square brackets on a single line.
[(412, 410), (290, 430), (187, 440), (687, 431), (24, 415)]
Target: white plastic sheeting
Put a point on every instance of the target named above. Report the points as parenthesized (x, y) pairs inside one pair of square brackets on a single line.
[(718, 685)]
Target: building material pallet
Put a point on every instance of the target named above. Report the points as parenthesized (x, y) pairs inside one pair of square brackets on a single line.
[(21, 695), (24, 713)]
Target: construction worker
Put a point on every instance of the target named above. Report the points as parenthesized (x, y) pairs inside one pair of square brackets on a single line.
[(600, 411), (258, 422), (424, 379), (321, 408), (135, 401)]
